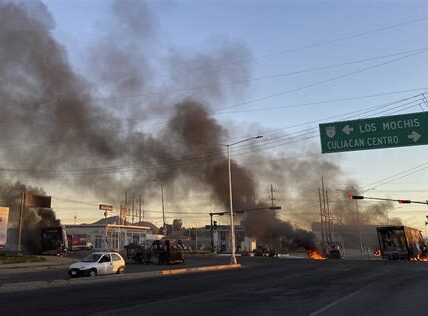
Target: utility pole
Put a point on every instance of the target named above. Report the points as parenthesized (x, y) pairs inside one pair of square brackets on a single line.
[(21, 211), (139, 208), (133, 207), (329, 217), (163, 211), (196, 238), (271, 195), (75, 219), (232, 227), (322, 218), (164, 230), (212, 233), (324, 209), (126, 208)]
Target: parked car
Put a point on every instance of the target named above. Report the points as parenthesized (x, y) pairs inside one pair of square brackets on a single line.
[(98, 263)]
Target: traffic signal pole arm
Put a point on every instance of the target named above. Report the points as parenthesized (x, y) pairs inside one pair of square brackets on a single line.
[(361, 197), (272, 208)]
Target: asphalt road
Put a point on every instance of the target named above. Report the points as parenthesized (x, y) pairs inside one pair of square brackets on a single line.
[(265, 286)]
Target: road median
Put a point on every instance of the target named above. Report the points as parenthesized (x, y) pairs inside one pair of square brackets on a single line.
[(16, 287), (50, 262)]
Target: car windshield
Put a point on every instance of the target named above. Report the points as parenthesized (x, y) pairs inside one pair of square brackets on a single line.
[(93, 257)]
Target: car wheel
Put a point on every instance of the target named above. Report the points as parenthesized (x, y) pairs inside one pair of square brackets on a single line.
[(121, 270), (93, 273)]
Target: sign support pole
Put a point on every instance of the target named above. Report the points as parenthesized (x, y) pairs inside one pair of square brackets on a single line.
[(21, 211), (359, 229)]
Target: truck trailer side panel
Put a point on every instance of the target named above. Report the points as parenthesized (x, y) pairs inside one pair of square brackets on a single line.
[(400, 243)]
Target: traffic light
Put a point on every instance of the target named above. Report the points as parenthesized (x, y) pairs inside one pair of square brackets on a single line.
[(404, 201), (215, 224), (355, 197), (426, 222)]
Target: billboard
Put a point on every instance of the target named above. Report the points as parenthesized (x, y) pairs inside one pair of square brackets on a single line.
[(4, 217), (106, 207), (32, 200)]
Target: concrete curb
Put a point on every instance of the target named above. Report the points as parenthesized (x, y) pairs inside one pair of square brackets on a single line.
[(201, 269), (15, 287)]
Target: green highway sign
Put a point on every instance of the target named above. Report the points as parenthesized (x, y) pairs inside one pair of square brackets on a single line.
[(374, 133)]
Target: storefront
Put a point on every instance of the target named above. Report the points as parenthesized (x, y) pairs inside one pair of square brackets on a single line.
[(112, 236)]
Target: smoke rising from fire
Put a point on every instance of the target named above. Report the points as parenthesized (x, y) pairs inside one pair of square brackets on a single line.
[(57, 125), (277, 234), (33, 219), (50, 115)]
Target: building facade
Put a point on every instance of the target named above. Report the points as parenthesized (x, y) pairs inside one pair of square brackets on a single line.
[(222, 240), (107, 235)]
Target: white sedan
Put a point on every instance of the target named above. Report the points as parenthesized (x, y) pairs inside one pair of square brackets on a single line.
[(98, 263)]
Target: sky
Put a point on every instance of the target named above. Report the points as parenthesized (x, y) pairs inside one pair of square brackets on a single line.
[(285, 41)]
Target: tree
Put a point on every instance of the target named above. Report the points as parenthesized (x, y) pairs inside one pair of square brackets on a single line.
[(177, 225)]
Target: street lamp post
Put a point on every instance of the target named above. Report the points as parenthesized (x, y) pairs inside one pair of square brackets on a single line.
[(232, 228), (163, 207), (163, 212)]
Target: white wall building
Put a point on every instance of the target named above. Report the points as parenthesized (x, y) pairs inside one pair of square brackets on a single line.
[(222, 238), (106, 235)]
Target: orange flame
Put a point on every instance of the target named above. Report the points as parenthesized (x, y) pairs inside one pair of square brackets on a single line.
[(315, 255), (419, 258)]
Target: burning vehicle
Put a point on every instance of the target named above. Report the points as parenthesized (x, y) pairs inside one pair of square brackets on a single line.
[(315, 254), (160, 251), (54, 241), (332, 251), (329, 251), (401, 243)]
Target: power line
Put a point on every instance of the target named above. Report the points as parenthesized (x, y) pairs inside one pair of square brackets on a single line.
[(305, 47), (280, 75), (304, 134), (11, 144), (362, 111), (398, 176), (322, 102), (347, 74), (415, 52)]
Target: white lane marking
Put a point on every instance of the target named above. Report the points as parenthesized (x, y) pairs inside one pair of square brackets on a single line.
[(340, 300)]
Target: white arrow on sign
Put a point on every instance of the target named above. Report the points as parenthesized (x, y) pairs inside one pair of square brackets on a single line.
[(347, 129), (414, 136)]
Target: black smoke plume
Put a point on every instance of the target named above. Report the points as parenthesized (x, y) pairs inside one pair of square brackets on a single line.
[(92, 130), (33, 219), (275, 234)]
